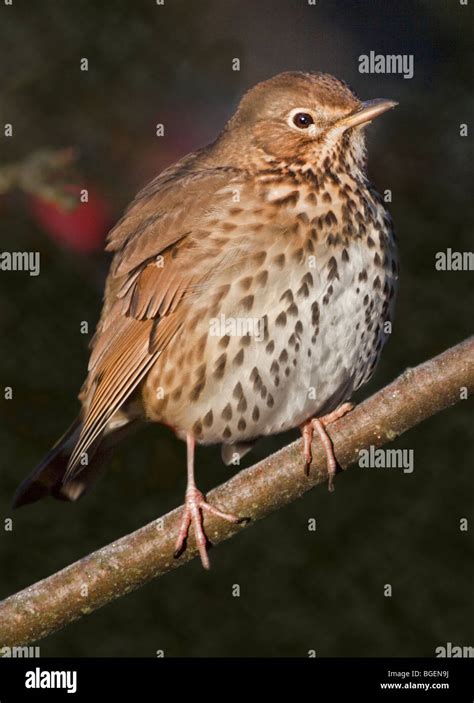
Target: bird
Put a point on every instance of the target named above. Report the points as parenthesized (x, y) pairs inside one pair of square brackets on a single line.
[(251, 291)]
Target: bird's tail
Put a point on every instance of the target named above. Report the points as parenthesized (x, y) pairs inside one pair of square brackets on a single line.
[(47, 478)]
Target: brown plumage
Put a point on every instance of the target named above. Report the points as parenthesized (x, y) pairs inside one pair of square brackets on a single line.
[(249, 291)]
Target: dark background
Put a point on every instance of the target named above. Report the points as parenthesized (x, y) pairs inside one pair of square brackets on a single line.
[(173, 64)]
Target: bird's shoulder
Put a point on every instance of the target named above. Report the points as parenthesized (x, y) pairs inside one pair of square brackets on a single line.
[(176, 202)]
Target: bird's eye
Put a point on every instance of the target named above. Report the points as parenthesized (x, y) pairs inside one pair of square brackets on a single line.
[(302, 120)]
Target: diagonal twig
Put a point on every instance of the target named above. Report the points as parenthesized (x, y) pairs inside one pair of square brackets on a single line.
[(135, 559)]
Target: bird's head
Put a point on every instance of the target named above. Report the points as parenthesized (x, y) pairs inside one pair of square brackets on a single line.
[(302, 118)]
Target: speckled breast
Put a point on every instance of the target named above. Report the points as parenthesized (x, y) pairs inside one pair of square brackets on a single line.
[(297, 329)]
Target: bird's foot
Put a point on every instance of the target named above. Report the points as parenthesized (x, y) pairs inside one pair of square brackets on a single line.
[(319, 424), (194, 507)]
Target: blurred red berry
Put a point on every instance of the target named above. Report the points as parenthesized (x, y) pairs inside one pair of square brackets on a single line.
[(82, 228)]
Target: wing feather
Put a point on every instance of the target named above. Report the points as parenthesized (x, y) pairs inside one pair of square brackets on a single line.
[(143, 304)]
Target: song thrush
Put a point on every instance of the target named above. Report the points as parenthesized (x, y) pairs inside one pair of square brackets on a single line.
[(249, 291)]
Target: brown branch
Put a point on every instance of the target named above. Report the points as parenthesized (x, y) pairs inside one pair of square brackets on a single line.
[(45, 174), (137, 558)]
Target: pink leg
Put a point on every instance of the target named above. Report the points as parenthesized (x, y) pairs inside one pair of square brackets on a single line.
[(194, 506), (320, 424)]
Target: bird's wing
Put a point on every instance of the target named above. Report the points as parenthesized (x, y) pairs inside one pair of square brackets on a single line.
[(162, 253)]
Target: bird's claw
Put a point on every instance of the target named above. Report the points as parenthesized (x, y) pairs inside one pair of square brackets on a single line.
[(194, 507)]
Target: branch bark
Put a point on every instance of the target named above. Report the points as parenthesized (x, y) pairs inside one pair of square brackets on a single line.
[(135, 559)]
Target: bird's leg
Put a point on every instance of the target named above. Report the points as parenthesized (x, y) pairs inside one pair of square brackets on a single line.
[(319, 424), (194, 506)]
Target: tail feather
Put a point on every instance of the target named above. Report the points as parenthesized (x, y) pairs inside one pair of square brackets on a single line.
[(47, 478)]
